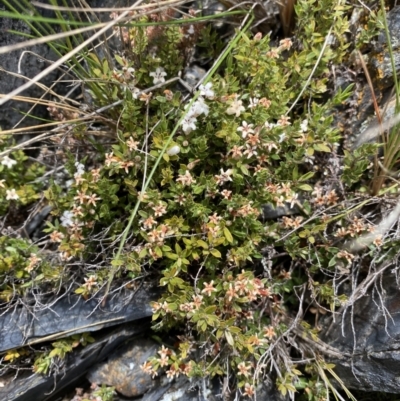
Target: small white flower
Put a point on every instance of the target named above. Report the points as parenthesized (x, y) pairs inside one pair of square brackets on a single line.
[(80, 168), (282, 137), (7, 161), (236, 108), (253, 103), (250, 151), (205, 90), (129, 72), (190, 31), (268, 125), (173, 151), (189, 123), (158, 75), (246, 129), (199, 107), (304, 126), (67, 219), (11, 194)]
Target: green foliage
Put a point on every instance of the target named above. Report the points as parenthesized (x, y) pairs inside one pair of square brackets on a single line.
[(19, 183), (374, 25), (22, 267), (199, 219), (105, 393), (194, 174), (60, 349)]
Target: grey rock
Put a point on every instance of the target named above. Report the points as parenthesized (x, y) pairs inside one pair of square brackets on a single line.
[(22, 325), (381, 61), (122, 370), (32, 387), (270, 212), (369, 339), (184, 389)]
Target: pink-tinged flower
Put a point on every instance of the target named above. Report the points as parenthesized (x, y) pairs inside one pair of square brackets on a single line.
[(226, 194), (33, 261), (79, 179), (378, 241), (236, 152), (345, 255), (246, 129), (280, 201), (147, 367), (269, 332), (163, 352), (285, 44), (272, 54), (159, 210), (81, 197), (145, 97), (95, 174), (186, 179), (149, 222), (172, 372), (225, 176), (163, 361), (197, 301), (214, 218), (209, 288), (253, 140), (92, 199), (132, 144), (77, 211), (265, 102), (244, 369), (231, 293), (249, 389), (110, 158), (284, 121), (90, 282), (125, 165), (56, 236), (236, 107)]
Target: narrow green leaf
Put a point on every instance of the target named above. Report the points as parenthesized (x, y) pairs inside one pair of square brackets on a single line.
[(228, 235)]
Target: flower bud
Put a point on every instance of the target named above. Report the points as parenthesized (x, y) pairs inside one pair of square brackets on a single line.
[(173, 151)]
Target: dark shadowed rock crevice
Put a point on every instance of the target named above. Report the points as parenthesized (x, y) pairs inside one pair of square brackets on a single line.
[(369, 333)]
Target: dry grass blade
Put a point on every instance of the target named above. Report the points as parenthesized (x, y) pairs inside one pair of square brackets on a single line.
[(159, 4), (49, 38), (82, 46)]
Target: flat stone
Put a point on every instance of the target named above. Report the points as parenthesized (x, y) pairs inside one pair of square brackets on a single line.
[(369, 339), (30, 386), (23, 325), (122, 370)]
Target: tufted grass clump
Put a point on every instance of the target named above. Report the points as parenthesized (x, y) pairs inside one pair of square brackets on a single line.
[(232, 193)]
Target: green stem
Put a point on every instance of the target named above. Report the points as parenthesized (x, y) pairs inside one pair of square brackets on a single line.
[(114, 269)]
